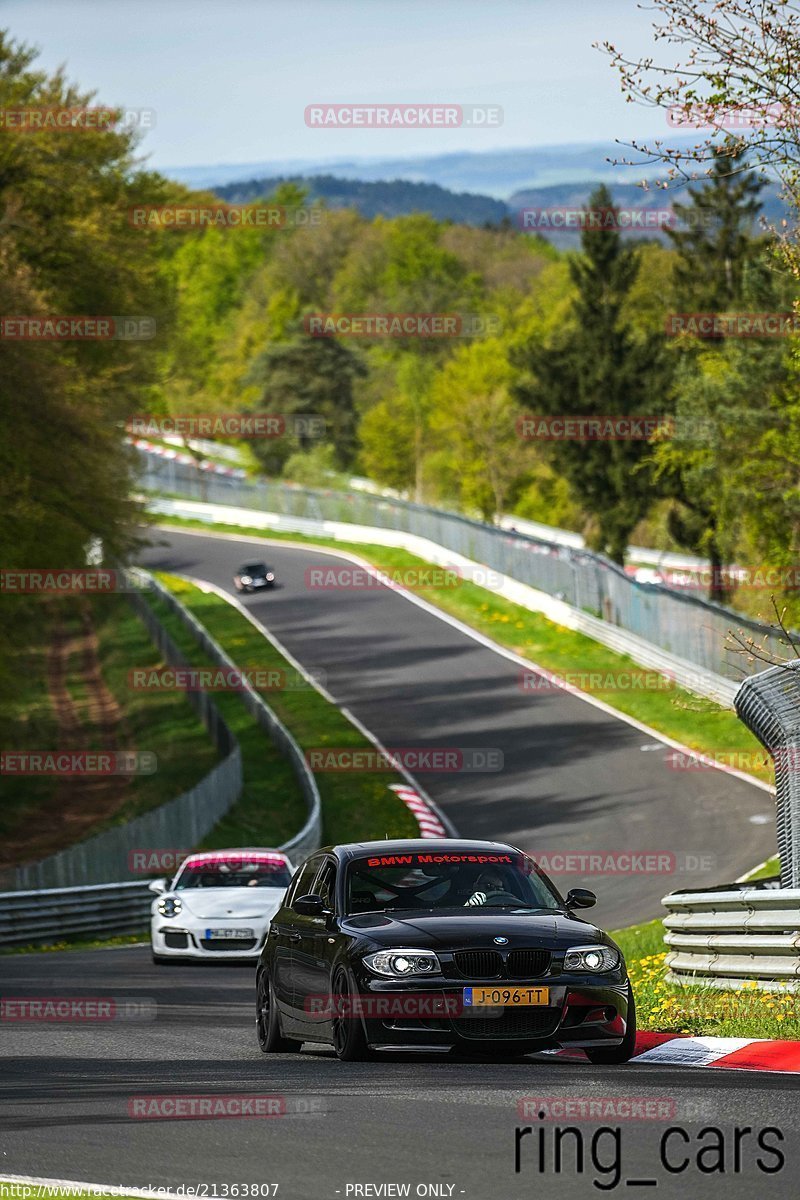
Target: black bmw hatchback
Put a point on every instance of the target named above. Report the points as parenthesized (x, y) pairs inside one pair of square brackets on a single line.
[(439, 945)]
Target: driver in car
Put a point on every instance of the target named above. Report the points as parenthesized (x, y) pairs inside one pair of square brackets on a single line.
[(490, 889)]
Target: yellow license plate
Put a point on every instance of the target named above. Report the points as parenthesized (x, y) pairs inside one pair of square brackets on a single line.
[(505, 997)]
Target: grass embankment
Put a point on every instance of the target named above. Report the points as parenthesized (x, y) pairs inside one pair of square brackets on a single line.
[(72, 693), (355, 805), (699, 1011), (699, 724)]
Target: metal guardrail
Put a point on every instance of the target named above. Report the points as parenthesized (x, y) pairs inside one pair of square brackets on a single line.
[(47, 915), (726, 936), (769, 705)]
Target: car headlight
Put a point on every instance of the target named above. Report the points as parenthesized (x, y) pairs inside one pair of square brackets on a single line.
[(591, 958), (169, 906), (246, 579), (270, 577), (398, 964)]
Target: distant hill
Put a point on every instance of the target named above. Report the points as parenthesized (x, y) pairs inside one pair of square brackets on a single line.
[(496, 173), (626, 196), (385, 198), (397, 197)]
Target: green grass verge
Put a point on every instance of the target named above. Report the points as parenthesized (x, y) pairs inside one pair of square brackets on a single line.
[(355, 805), (81, 943), (771, 867), (699, 1011), (163, 723), (679, 714)]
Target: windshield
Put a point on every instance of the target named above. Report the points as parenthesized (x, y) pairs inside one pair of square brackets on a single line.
[(256, 872), (254, 569), (469, 880)]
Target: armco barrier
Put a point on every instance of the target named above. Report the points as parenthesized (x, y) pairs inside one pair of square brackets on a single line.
[(179, 823), (769, 705), (49, 915), (683, 633), (739, 932), (726, 936)]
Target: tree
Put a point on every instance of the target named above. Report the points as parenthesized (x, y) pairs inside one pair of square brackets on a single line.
[(67, 248), (738, 76), (595, 367), (717, 246), (312, 377), (719, 262), (475, 420)]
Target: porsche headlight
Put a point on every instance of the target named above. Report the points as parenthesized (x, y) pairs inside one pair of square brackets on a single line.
[(247, 579), (169, 906), (400, 964), (270, 577), (591, 958)]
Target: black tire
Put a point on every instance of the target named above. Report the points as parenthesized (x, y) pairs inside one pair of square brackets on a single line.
[(626, 1048), (349, 1039), (268, 1022)]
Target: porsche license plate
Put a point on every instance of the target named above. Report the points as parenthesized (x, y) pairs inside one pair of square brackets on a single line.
[(211, 934), (505, 997)]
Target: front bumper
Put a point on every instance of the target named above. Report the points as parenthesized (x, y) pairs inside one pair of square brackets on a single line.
[(580, 1014), (173, 938)]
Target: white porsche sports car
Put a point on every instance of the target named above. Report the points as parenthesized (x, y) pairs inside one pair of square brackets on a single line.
[(218, 905)]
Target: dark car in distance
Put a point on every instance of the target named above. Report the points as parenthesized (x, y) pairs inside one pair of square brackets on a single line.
[(253, 576), (439, 944)]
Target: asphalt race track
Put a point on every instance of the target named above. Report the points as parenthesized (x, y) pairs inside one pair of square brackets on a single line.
[(65, 1092), (574, 778)]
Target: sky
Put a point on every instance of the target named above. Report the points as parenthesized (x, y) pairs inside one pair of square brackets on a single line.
[(229, 80)]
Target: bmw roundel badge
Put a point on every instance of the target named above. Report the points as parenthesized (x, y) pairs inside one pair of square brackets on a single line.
[(501, 941)]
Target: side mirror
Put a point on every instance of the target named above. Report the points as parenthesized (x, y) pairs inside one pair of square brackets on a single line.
[(309, 906), (581, 898), (157, 885)]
